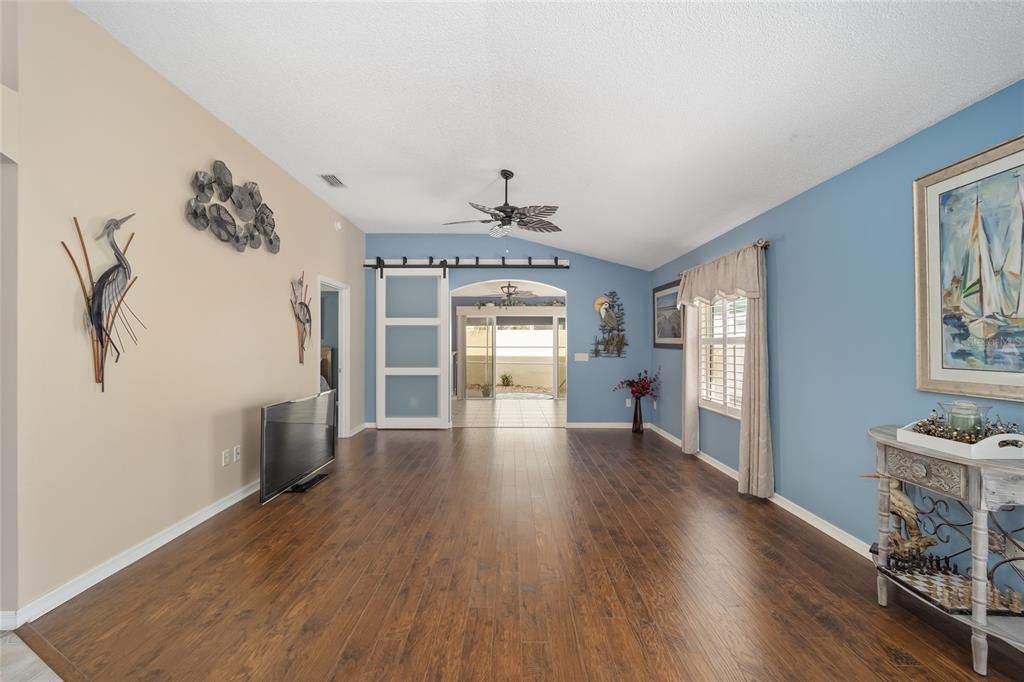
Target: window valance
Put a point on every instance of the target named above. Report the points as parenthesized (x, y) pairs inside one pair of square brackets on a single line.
[(735, 274)]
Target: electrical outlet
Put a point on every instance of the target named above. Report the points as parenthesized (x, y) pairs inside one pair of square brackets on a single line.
[(629, 403), (225, 458), (238, 453)]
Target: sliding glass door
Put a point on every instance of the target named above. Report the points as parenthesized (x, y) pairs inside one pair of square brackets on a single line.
[(520, 354), (524, 356), (562, 366), (478, 360)]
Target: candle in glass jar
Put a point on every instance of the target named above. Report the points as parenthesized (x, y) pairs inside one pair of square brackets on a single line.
[(963, 421), (962, 415)]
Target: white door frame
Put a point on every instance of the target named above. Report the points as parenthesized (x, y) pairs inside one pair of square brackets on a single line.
[(444, 363), (344, 380)]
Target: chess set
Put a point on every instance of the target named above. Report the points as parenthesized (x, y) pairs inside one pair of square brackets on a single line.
[(940, 584)]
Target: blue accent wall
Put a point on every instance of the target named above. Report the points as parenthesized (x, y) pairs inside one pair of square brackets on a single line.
[(590, 383), (841, 317)]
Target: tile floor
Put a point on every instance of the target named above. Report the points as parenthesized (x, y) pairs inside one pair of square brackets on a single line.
[(509, 413), (18, 663)]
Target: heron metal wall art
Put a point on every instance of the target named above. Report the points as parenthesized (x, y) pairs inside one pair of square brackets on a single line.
[(303, 316), (105, 307)]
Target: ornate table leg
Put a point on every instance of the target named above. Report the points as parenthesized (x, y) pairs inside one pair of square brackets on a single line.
[(979, 589), (884, 586)]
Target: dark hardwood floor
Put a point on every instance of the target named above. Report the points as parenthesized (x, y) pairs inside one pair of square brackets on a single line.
[(504, 554)]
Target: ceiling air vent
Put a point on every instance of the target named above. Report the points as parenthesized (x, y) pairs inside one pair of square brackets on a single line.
[(332, 180)]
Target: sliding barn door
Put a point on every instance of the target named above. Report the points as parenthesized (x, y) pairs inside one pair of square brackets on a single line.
[(413, 349)]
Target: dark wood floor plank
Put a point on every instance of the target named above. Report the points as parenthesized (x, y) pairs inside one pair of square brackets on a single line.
[(195, 561), (285, 599), (504, 554)]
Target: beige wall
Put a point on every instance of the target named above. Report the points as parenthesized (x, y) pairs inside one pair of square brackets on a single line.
[(102, 135)]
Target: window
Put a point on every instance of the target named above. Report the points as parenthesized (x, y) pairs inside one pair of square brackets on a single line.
[(723, 334)]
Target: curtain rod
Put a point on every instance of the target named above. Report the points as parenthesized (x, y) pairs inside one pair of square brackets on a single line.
[(757, 243)]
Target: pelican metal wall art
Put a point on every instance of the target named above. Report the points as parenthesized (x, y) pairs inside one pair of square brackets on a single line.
[(303, 316), (241, 218), (106, 312)]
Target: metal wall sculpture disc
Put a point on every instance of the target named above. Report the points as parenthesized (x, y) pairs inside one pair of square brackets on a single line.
[(202, 184), (222, 223), (196, 214), (240, 218), (273, 243), (255, 240), (223, 177), (265, 220)]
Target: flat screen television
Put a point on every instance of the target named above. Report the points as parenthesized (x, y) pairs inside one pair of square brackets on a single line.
[(297, 439)]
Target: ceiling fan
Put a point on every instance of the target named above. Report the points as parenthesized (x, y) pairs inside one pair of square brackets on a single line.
[(510, 293), (532, 218)]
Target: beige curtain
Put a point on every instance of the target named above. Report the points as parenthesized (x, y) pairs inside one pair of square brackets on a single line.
[(741, 273), (691, 380)]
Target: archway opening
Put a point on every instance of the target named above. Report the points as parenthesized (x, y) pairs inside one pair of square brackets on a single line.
[(509, 342)]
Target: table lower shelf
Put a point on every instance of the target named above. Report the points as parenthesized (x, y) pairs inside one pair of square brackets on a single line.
[(1010, 629)]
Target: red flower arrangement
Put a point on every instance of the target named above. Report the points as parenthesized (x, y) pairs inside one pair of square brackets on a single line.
[(645, 385)]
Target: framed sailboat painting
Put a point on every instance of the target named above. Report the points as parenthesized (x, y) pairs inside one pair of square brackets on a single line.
[(969, 253)]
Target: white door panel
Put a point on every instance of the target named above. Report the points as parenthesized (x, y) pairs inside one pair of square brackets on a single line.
[(413, 349)]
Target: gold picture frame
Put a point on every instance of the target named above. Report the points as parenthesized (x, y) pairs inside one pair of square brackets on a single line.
[(969, 277)]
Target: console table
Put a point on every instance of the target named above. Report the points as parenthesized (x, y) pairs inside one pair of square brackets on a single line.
[(984, 486)]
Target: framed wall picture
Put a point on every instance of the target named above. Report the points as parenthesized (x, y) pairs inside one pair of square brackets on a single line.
[(969, 258), (668, 319)]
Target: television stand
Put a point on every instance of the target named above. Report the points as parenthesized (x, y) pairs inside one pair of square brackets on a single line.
[(307, 484)]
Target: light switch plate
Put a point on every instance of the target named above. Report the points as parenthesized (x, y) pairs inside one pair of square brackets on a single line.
[(225, 458), (581, 357), (237, 454)]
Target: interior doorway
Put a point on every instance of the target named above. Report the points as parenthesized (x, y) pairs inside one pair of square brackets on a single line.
[(335, 342), (509, 341)]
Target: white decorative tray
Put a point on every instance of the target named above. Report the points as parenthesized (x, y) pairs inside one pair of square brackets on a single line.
[(1001, 446)]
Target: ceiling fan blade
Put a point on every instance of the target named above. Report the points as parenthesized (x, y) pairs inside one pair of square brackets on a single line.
[(528, 212), (463, 222), (539, 226), (489, 211)]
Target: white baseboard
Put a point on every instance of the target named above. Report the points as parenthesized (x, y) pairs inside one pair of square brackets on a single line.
[(94, 575), (625, 425), (359, 428), (8, 620), (599, 425), (833, 531), (724, 468), (664, 434)]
